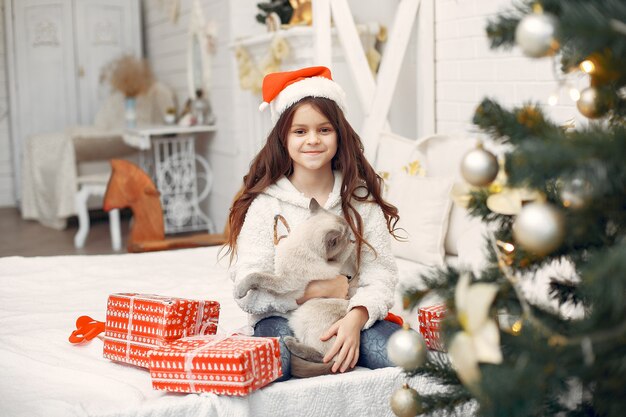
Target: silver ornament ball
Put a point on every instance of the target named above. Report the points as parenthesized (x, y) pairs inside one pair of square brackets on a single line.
[(479, 167), (405, 402), (406, 348), (536, 34), (539, 228), (592, 104)]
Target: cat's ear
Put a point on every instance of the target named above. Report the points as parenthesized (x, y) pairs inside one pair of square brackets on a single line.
[(281, 228), (314, 206)]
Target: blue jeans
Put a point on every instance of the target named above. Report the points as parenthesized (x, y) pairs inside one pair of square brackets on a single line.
[(373, 349)]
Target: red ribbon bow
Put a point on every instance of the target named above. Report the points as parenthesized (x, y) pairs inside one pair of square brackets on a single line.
[(394, 319), (86, 329)]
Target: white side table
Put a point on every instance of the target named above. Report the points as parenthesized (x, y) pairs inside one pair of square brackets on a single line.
[(173, 168)]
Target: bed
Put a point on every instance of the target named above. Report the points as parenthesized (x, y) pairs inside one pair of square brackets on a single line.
[(42, 374)]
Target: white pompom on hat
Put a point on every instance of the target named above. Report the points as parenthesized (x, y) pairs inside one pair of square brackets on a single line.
[(282, 89)]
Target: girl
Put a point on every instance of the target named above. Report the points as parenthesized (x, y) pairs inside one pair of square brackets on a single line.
[(313, 152)]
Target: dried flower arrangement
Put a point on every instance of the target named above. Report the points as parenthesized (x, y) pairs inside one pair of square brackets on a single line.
[(130, 75)]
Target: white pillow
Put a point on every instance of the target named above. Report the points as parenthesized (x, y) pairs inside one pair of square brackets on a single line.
[(472, 245), (444, 153), (459, 221), (424, 207), (394, 154)]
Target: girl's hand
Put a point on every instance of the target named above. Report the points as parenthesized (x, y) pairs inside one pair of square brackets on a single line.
[(326, 288), (348, 341)]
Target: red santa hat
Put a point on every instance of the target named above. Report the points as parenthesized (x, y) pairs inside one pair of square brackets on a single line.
[(282, 89)]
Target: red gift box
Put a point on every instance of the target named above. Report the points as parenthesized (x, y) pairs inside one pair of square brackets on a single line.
[(235, 365), (430, 319), (137, 323)]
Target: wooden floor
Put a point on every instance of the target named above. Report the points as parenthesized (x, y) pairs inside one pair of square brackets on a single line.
[(29, 238)]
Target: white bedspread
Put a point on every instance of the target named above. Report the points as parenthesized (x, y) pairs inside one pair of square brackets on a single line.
[(42, 374)]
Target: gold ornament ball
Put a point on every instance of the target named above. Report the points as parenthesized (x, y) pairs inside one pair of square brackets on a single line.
[(406, 348), (479, 167), (592, 104), (539, 228), (405, 402), (536, 35)]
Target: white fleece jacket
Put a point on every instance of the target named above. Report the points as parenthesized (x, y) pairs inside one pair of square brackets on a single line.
[(256, 251)]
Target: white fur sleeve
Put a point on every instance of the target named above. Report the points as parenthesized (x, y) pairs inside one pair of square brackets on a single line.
[(255, 253), (378, 276)]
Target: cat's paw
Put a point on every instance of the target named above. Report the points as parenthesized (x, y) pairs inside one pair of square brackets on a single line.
[(303, 351), (246, 284), (301, 368), (241, 291)]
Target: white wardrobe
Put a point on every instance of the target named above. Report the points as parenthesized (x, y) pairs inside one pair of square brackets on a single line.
[(56, 53)]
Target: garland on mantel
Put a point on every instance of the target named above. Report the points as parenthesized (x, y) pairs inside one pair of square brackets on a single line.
[(250, 74)]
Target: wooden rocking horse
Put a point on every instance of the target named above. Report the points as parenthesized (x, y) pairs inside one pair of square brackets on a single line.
[(130, 186)]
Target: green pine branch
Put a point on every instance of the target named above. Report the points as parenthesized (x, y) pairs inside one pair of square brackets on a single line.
[(513, 126), (454, 398), (281, 7), (566, 292)]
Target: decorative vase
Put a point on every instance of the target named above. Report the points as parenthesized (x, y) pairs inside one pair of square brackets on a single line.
[(130, 112), (201, 110)]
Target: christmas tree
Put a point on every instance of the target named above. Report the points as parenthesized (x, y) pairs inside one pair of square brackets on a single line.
[(565, 187), (281, 7)]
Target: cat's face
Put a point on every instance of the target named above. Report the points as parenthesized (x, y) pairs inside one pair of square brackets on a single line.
[(330, 229), (336, 235)]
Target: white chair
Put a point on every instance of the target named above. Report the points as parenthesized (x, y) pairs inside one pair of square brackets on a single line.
[(93, 149), (94, 185)]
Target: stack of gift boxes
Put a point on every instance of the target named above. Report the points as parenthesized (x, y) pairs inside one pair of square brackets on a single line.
[(176, 340), (430, 319)]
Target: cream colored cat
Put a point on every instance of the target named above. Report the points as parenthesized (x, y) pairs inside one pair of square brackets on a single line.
[(319, 248)]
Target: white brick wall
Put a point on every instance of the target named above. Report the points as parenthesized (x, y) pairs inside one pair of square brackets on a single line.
[(467, 70)]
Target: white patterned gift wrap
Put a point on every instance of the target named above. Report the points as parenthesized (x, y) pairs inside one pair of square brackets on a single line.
[(430, 319), (136, 323), (234, 365)]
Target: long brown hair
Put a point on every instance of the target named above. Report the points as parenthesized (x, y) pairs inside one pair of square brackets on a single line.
[(273, 162)]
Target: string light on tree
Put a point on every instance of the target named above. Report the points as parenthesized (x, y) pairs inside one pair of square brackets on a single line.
[(563, 84), (553, 99), (539, 228), (479, 167), (405, 402), (406, 348), (510, 323), (573, 92), (587, 66), (536, 33)]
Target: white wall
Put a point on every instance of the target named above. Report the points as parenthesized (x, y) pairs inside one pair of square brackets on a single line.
[(467, 70), (7, 195)]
